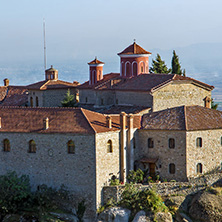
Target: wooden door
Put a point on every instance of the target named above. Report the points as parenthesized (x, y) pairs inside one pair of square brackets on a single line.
[(152, 169)]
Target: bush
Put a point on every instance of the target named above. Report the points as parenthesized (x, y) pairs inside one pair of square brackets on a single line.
[(81, 210), (48, 198), (114, 181), (15, 192), (146, 200), (135, 176)]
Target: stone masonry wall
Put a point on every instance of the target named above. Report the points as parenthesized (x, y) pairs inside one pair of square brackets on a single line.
[(134, 98), (107, 164), (53, 98), (165, 189), (52, 165), (34, 94), (162, 151), (105, 97), (87, 94), (179, 94), (209, 155)]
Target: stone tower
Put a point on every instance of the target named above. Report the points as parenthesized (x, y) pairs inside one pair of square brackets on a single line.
[(134, 60), (51, 74), (95, 71)]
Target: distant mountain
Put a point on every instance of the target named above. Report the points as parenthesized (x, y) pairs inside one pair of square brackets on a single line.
[(202, 61)]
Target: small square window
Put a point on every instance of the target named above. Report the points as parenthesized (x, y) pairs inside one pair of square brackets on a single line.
[(150, 143), (172, 168), (171, 143), (199, 142)]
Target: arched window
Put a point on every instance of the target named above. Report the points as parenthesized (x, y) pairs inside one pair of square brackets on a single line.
[(71, 147), (172, 168), (199, 168), (150, 143), (32, 146), (109, 146), (171, 143), (141, 68), (6, 145), (37, 101), (199, 142), (134, 69), (122, 66), (102, 102), (86, 99), (128, 73), (93, 77), (31, 101)]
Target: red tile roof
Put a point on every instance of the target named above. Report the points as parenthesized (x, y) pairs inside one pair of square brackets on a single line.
[(152, 82), (61, 120), (183, 118), (3, 92), (95, 61), (134, 49), (144, 82), (105, 81), (52, 84), (13, 96)]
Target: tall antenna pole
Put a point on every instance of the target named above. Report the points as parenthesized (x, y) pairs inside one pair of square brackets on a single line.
[(44, 43)]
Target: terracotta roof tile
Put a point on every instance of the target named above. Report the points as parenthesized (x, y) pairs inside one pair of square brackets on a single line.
[(105, 80), (151, 82), (15, 96), (61, 120), (143, 82), (51, 69), (3, 92), (134, 49), (95, 61), (183, 118), (52, 84)]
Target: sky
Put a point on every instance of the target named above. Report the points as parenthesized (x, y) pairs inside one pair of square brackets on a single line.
[(80, 30)]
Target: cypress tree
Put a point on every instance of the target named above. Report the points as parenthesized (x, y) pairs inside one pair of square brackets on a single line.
[(176, 67), (159, 66)]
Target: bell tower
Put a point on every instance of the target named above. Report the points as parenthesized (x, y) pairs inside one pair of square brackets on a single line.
[(95, 71), (134, 60), (51, 74)]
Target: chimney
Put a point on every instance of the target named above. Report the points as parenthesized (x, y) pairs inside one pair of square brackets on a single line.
[(109, 122), (46, 123), (207, 102), (6, 82)]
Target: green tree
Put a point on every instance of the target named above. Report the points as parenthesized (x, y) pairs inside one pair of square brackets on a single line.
[(159, 66), (69, 100), (176, 67), (214, 105), (15, 192)]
